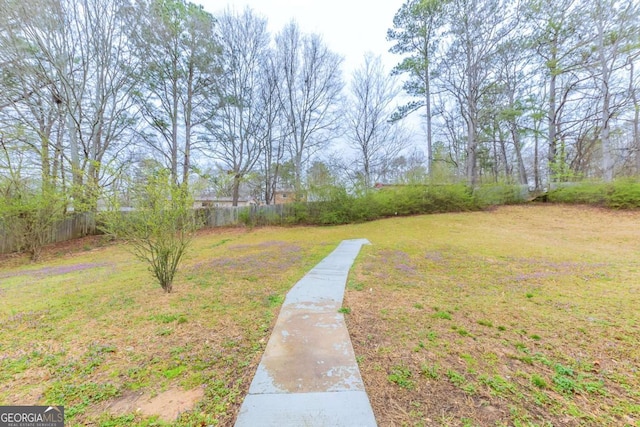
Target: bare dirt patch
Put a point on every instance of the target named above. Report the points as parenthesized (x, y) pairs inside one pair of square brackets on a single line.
[(167, 405), (249, 261), (51, 271), (57, 250)]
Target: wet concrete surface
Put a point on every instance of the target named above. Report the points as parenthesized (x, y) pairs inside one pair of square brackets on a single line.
[(308, 375)]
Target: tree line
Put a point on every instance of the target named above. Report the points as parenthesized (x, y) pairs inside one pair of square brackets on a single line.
[(96, 91), (532, 91), (98, 95)]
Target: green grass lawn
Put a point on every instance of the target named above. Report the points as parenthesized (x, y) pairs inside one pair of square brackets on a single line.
[(519, 316)]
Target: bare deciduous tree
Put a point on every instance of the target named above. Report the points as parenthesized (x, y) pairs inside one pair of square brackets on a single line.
[(241, 126), (370, 130), (613, 26), (476, 30), (310, 91), (177, 41), (73, 65), (273, 127)]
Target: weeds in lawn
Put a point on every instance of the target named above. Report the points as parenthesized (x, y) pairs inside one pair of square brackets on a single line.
[(442, 315), (526, 322), (163, 332), (456, 378), (168, 318), (567, 381), (498, 385), (430, 371), (172, 373), (461, 331), (274, 300), (401, 376), (356, 286), (538, 381), (79, 337), (77, 397)]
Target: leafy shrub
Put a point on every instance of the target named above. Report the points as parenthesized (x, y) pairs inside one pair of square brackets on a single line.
[(501, 194), (401, 201), (244, 216), (299, 214), (340, 207), (624, 194), (591, 193), (29, 214), (621, 194)]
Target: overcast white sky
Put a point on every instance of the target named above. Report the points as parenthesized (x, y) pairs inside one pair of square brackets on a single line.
[(349, 27)]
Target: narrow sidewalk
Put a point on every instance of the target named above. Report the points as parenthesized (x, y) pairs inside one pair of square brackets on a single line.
[(308, 375)]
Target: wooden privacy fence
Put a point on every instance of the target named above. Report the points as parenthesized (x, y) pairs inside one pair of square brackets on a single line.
[(72, 227), (85, 224), (254, 215)]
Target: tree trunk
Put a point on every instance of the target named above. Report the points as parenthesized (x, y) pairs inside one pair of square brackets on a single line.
[(186, 164), (236, 189), (522, 171), (472, 172), (174, 124), (515, 136), (429, 131), (636, 122), (46, 161), (505, 157), (496, 160), (76, 172), (472, 143), (536, 161), (552, 143), (298, 175), (607, 161)]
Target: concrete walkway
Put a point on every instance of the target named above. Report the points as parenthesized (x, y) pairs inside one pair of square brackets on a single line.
[(308, 375)]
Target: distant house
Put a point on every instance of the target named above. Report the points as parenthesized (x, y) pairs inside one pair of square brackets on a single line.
[(381, 185), (208, 201), (284, 196)]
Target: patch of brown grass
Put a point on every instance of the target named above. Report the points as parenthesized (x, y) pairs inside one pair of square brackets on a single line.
[(522, 316)]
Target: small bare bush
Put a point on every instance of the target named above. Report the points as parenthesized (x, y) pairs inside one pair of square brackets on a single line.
[(160, 227)]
